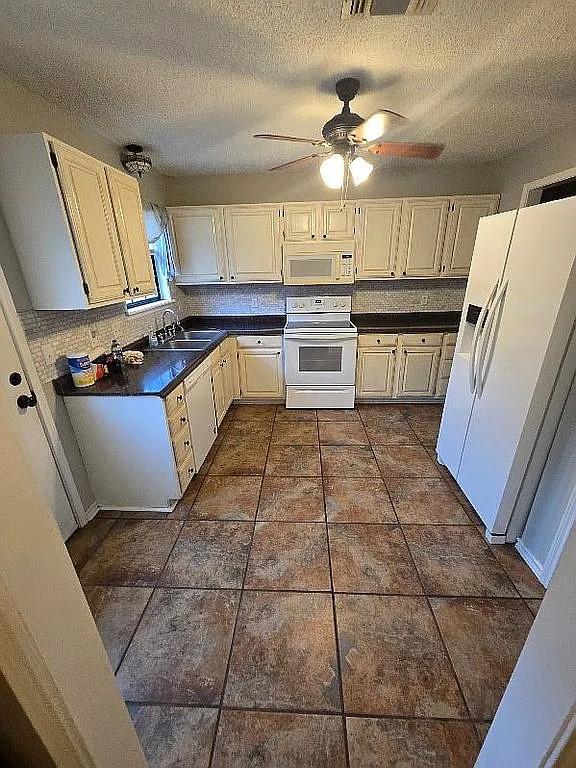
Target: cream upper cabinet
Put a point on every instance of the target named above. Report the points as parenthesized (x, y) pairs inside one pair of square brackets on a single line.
[(198, 235), (422, 231), (301, 221), (253, 243), (127, 205), (463, 218), (336, 223), (377, 238), (318, 221), (87, 199)]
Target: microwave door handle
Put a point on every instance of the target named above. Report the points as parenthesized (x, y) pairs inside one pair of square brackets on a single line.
[(476, 338), (486, 337)]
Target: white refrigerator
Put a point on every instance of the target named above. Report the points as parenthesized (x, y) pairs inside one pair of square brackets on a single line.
[(513, 363)]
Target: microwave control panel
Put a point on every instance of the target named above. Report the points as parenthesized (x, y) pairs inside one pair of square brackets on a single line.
[(347, 268)]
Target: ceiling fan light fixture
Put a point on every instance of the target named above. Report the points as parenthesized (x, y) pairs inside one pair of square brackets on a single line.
[(332, 171), (360, 170)]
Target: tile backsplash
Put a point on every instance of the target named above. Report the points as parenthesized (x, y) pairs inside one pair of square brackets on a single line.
[(61, 332)]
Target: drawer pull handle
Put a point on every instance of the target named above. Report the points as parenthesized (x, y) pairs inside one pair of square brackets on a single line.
[(180, 398), (377, 341), (423, 341), (190, 470), (183, 419), (186, 443), (259, 342)]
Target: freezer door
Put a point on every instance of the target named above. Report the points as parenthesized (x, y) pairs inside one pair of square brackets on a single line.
[(522, 348), (488, 262)]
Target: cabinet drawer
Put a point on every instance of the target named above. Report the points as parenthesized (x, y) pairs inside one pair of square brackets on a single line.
[(259, 341), (175, 400), (177, 421), (186, 470), (421, 339), (377, 339), (182, 444)]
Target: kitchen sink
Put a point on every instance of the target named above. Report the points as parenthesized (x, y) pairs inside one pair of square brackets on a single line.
[(189, 341)]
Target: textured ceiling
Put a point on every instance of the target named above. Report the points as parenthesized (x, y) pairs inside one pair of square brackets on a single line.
[(192, 80)]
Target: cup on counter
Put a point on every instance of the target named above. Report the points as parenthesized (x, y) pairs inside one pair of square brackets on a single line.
[(81, 369)]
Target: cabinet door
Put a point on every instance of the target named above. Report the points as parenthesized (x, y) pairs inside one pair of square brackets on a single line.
[(87, 199), (260, 373), (230, 372), (422, 231), (377, 241), (198, 235), (253, 243), (337, 223), (127, 205), (417, 372), (218, 389), (463, 218), (375, 372), (301, 221), (201, 416)]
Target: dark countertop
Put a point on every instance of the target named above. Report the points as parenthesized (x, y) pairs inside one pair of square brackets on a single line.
[(162, 371)]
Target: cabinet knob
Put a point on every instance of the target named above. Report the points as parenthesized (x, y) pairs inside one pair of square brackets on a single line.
[(190, 470), (232, 277), (221, 277), (393, 351), (392, 273), (183, 419), (377, 341), (312, 236), (15, 378), (324, 236), (423, 341), (180, 398), (186, 443), (403, 273), (259, 341), (126, 292)]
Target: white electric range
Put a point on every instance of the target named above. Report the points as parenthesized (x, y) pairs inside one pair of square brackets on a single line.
[(320, 352)]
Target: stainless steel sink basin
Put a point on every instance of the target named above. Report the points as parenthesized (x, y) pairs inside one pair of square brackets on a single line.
[(207, 336), (189, 341)]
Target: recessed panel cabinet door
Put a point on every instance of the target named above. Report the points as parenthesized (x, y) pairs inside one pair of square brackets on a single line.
[(253, 243), (422, 231), (198, 235), (260, 373), (301, 221), (201, 416), (375, 372), (377, 241), (337, 222), (417, 372), (218, 391), (89, 207), (463, 220), (125, 195)]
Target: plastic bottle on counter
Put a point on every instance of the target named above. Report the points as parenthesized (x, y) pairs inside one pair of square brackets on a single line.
[(116, 359)]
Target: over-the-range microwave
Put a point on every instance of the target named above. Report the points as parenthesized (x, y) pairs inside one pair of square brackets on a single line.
[(318, 263)]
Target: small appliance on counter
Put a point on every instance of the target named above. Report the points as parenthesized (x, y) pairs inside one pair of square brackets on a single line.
[(320, 352)]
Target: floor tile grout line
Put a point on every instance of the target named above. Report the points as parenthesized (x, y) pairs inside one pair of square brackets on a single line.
[(335, 626), (240, 600)]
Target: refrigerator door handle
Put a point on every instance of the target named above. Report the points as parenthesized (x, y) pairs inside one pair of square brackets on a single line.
[(472, 374), (486, 337)]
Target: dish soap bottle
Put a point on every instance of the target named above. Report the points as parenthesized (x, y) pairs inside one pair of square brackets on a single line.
[(116, 360)]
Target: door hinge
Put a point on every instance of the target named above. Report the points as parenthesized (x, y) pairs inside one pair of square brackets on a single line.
[(53, 158), (86, 288)]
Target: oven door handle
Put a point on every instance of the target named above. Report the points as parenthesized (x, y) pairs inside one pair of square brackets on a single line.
[(320, 337)]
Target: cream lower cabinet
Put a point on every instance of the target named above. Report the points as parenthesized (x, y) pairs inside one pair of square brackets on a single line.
[(376, 366), (417, 369), (260, 367), (446, 360), (201, 413), (224, 368)]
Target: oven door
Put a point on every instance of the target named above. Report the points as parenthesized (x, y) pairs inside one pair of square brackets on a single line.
[(328, 359)]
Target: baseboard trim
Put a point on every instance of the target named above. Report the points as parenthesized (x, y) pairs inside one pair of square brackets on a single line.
[(90, 512), (532, 562)]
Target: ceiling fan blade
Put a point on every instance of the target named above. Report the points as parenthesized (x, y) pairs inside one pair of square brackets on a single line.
[(374, 127), (406, 149), (294, 162), (276, 137)]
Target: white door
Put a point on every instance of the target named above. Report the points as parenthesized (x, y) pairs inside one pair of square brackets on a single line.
[(301, 221), (422, 231), (27, 425), (127, 205), (253, 243), (377, 241), (463, 218), (87, 198), (490, 253), (260, 372), (201, 416), (337, 222), (531, 320), (417, 371), (375, 372), (198, 236)]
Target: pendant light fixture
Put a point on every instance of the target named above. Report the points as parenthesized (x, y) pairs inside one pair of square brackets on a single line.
[(136, 163)]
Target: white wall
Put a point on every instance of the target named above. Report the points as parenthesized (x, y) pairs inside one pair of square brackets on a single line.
[(305, 184), (544, 158)]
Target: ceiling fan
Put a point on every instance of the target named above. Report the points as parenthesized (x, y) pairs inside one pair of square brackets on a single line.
[(347, 137)]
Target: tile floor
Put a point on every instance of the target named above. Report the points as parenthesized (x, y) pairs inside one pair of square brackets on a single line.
[(321, 597)]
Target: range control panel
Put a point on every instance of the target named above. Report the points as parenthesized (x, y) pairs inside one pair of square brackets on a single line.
[(297, 304)]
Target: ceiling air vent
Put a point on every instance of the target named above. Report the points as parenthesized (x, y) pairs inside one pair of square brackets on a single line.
[(353, 9)]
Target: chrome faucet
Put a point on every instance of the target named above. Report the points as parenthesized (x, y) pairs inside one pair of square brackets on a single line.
[(171, 331)]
